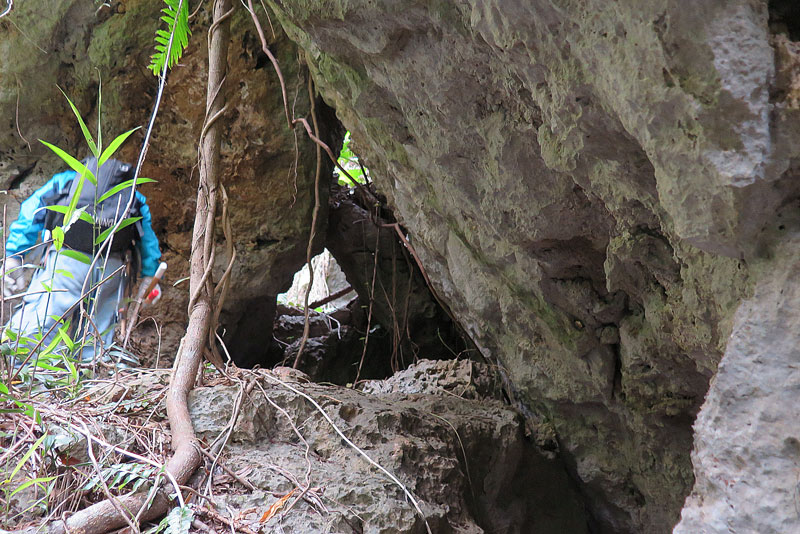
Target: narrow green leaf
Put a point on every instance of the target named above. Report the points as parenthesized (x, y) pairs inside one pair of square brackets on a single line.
[(26, 457), (74, 164), (130, 476), (84, 129), (74, 200), (120, 473), (75, 255), (66, 339), (80, 214), (138, 483), (50, 348), (73, 370), (30, 483), (42, 365), (126, 222), (64, 272), (115, 144), (58, 237), (99, 107), (119, 187)]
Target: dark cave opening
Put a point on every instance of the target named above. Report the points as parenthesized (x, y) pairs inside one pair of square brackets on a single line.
[(391, 310), (784, 17)]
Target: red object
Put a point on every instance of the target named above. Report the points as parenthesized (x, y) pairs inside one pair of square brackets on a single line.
[(153, 294)]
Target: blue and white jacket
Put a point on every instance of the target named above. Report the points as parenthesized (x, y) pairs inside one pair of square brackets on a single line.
[(29, 226)]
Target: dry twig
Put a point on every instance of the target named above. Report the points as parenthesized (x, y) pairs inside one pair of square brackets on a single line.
[(232, 523)]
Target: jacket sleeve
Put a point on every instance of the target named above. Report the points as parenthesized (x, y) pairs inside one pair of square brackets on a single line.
[(26, 230), (148, 243)]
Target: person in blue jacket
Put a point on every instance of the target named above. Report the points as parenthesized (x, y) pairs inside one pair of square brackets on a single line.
[(63, 279)]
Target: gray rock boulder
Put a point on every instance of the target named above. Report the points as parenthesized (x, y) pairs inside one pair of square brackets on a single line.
[(466, 461), (588, 184), (747, 435)]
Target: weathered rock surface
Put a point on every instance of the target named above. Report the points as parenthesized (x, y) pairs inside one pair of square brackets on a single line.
[(747, 436), (465, 460), (328, 280), (463, 378), (587, 183)]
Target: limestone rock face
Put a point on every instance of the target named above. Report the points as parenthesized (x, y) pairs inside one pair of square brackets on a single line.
[(465, 460), (593, 187), (747, 441), (587, 183), (75, 45)]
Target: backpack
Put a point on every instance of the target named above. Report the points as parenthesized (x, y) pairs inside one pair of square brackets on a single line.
[(81, 234)]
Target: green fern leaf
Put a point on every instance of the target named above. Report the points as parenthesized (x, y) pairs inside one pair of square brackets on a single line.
[(176, 17), (117, 476)]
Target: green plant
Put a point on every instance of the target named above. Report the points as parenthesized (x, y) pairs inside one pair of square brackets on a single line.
[(71, 213), (119, 476), (351, 164), (55, 364), (177, 521), (10, 487), (176, 15)]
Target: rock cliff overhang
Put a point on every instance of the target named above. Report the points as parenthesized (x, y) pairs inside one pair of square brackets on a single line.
[(591, 186)]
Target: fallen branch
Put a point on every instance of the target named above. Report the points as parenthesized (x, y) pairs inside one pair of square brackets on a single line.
[(330, 298)]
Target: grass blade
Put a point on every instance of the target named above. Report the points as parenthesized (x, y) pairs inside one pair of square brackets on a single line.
[(73, 163), (84, 129), (115, 144), (119, 187)]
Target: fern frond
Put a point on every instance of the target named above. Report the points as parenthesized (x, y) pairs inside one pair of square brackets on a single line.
[(176, 16), (123, 474)]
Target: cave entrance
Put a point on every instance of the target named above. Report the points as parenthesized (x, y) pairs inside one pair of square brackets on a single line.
[(371, 311)]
